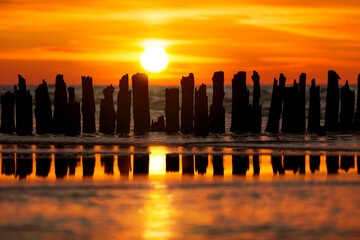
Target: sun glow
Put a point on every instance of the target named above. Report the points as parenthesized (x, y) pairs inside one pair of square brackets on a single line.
[(154, 59)]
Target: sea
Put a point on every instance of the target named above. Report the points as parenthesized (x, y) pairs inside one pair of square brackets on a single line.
[(160, 186)]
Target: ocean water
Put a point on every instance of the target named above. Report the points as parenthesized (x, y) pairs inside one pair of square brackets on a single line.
[(159, 186)]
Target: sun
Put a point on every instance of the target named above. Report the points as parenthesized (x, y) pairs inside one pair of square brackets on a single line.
[(154, 59)]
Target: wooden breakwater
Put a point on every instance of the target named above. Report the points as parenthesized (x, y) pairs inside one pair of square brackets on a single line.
[(288, 104)]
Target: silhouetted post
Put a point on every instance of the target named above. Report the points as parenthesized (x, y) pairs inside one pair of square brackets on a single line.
[(301, 127), (159, 125), (217, 110), (24, 120), (332, 102), (73, 116), (314, 108), (240, 104), (187, 104), (218, 164), (276, 105), (108, 163), (172, 110), (7, 113), (61, 167), (290, 112), (88, 105), (256, 108), (201, 112), (43, 112), (277, 165), (60, 101), (141, 110), (172, 163), (201, 163), (240, 164), (107, 112), (187, 164), (8, 164), (357, 114), (347, 108), (88, 166), (256, 164), (124, 164), (332, 164), (123, 106), (347, 162), (141, 163)]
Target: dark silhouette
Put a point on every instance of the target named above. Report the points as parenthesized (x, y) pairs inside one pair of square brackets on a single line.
[(88, 105), (61, 167), (277, 165), (124, 164), (357, 114), (73, 116), (276, 105), (256, 164), (217, 110), (141, 109), (60, 102), (332, 102), (240, 104), (201, 163), (108, 163), (24, 120), (88, 166), (141, 163), (107, 112), (256, 108), (24, 166), (294, 163), (123, 106), (332, 164), (347, 162), (218, 164), (43, 112), (187, 104), (159, 125), (240, 164), (172, 110), (314, 108), (347, 108), (7, 113), (314, 163), (8, 165), (43, 166), (302, 102), (172, 163), (73, 163), (201, 112), (187, 164)]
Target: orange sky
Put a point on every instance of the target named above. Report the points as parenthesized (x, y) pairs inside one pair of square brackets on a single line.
[(104, 39)]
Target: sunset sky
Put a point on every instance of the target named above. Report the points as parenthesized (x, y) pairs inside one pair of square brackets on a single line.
[(105, 39)]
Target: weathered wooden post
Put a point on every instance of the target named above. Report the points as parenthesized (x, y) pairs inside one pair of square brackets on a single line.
[(73, 116), (240, 104), (332, 102), (314, 108), (347, 108), (217, 110), (141, 110), (24, 120), (123, 106), (43, 112), (201, 112), (107, 112), (88, 105), (60, 101), (187, 104)]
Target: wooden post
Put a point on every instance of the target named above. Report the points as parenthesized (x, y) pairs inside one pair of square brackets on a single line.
[(240, 104), (107, 112), (24, 120), (43, 112), (217, 110), (187, 104), (73, 116), (88, 105), (201, 112), (314, 108), (347, 108), (141, 110), (332, 102), (60, 101), (123, 106)]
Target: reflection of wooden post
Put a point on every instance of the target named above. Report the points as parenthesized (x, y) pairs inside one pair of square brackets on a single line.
[(172, 110), (276, 105), (141, 164), (347, 108), (218, 164), (7, 113), (332, 164), (88, 105), (43, 112), (240, 164), (24, 119), (357, 115), (73, 117), (201, 163), (187, 164), (314, 108), (172, 163), (141, 109), (201, 112), (88, 166), (60, 101), (314, 163), (217, 110), (332, 102), (240, 104), (187, 104), (123, 106), (124, 164), (107, 112), (256, 108), (256, 164)]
